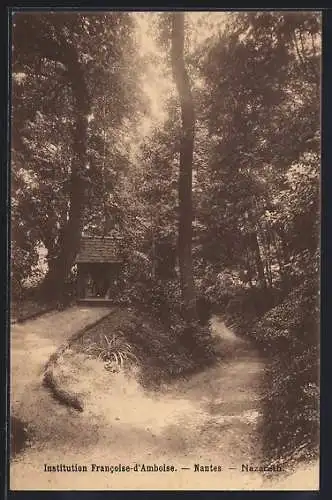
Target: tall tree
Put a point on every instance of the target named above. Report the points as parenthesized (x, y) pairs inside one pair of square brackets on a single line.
[(73, 86), (47, 38), (182, 82)]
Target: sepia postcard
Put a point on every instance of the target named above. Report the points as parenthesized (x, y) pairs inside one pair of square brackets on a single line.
[(165, 251)]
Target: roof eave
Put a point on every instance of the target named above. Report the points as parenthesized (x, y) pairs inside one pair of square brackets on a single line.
[(113, 261)]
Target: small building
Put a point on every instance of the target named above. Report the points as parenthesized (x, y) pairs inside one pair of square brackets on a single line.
[(99, 263)]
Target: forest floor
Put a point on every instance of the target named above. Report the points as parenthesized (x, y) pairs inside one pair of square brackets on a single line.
[(211, 417)]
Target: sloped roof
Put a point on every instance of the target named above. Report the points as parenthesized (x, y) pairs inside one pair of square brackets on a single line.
[(100, 249)]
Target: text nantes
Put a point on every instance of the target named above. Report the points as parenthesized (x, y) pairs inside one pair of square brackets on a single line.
[(207, 468)]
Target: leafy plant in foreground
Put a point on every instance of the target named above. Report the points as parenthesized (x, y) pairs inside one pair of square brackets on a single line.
[(113, 351)]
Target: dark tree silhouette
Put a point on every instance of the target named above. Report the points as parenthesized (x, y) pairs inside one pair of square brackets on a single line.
[(186, 162)]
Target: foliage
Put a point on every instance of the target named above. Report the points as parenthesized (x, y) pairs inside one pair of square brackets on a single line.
[(218, 288), (48, 100), (290, 335), (252, 171), (112, 350), (144, 339), (21, 269), (244, 308), (293, 322)]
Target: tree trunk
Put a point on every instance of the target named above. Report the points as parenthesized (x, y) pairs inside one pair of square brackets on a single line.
[(258, 260), (283, 258), (186, 161), (60, 50), (70, 238), (70, 234)]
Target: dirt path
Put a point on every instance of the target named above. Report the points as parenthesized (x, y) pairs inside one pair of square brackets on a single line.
[(31, 344), (211, 418)]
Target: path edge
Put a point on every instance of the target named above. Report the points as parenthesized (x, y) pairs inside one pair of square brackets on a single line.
[(49, 379)]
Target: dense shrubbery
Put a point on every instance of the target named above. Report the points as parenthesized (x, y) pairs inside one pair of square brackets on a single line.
[(23, 270), (290, 335), (157, 348), (245, 307), (217, 288), (160, 300), (174, 350), (293, 322)]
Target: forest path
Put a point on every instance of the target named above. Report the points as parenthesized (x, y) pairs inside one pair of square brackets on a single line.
[(210, 418)]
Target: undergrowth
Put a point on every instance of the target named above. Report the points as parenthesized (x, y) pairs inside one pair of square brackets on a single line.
[(162, 352)]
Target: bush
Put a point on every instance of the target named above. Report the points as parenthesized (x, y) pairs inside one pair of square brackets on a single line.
[(136, 336), (171, 350), (217, 288), (289, 333), (22, 262), (188, 346), (292, 323), (247, 306)]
